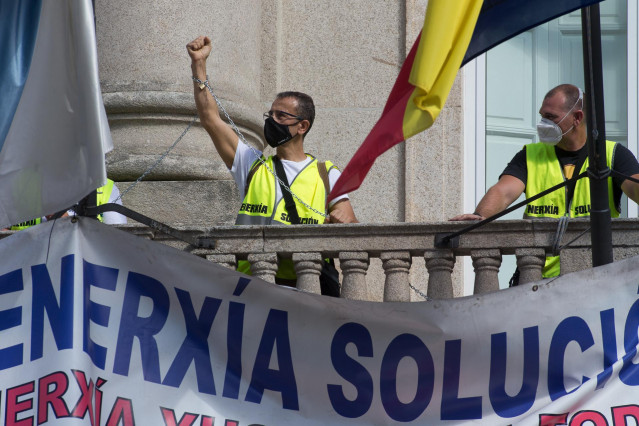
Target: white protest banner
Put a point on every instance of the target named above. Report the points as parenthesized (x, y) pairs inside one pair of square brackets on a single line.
[(100, 327)]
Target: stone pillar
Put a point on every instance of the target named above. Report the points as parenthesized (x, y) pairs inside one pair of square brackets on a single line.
[(308, 267), (148, 96), (439, 264), (486, 264), (263, 266), (530, 263), (225, 260), (354, 266), (396, 266)]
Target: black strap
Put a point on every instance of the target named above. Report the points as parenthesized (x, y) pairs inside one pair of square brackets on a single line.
[(288, 198), (90, 200), (256, 165), (570, 187), (445, 240)]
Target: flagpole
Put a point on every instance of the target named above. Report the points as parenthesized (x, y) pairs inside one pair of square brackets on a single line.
[(600, 221)]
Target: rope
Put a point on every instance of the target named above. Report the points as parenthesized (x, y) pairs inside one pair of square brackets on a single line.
[(561, 230), (574, 239)]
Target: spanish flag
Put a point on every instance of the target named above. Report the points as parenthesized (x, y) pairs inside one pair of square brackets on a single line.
[(454, 32)]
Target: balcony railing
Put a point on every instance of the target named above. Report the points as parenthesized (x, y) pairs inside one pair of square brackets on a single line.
[(399, 246)]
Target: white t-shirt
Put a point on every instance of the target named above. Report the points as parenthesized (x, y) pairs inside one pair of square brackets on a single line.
[(114, 218), (245, 156)]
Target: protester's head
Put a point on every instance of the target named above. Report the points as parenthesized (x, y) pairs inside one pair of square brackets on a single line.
[(572, 95), (305, 107), (291, 114), (561, 114)]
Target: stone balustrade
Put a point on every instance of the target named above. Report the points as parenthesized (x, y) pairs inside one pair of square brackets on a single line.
[(399, 247)]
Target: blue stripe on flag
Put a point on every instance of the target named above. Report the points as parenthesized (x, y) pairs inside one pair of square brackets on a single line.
[(500, 20), (18, 30)]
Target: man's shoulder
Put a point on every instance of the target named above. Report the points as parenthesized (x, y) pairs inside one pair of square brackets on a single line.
[(327, 163)]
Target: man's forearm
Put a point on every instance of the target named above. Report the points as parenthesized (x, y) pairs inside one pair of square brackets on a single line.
[(631, 189), (500, 196), (206, 107), (491, 204)]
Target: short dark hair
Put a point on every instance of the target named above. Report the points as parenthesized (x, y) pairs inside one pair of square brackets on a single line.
[(571, 94), (305, 105)]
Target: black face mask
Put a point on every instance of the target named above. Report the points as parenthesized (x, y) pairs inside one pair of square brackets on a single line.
[(276, 134)]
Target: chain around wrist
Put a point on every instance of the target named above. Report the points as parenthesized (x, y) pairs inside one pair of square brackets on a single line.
[(201, 84)]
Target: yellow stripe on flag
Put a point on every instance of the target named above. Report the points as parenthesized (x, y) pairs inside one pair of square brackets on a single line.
[(448, 28)]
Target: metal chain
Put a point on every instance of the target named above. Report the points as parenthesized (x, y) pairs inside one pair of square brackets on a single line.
[(258, 155), (416, 290), (150, 169)]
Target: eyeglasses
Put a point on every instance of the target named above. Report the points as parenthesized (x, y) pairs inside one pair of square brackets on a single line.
[(279, 116)]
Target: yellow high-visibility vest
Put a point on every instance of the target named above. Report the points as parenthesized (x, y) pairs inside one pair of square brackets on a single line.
[(26, 224), (258, 206), (545, 171), (103, 195)]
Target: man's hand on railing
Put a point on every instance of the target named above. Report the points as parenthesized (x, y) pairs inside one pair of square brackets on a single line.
[(467, 216)]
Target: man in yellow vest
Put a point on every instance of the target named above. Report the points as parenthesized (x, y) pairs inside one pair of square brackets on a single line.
[(560, 154), (286, 124), (108, 193)]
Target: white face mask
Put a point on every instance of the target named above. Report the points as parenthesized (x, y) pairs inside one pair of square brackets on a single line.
[(549, 132)]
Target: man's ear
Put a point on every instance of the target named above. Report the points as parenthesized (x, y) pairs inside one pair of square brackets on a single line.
[(304, 126), (579, 117)]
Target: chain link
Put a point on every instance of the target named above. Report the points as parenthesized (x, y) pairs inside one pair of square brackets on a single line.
[(150, 169), (416, 290)]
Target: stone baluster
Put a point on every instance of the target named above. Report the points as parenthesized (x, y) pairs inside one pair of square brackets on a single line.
[(530, 262), (396, 266), (308, 267), (439, 264), (354, 266), (263, 266), (486, 263), (225, 260)]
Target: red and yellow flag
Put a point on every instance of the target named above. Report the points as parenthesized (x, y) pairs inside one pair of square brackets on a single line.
[(422, 87)]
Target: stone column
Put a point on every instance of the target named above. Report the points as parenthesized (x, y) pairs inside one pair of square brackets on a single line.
[(263, 266), (530, 263), (439, 264), (396, 266), (354, 266), (148, 96), (486, 264), (308, 267)]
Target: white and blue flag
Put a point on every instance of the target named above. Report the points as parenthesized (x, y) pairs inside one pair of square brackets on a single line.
[(53, 127)]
